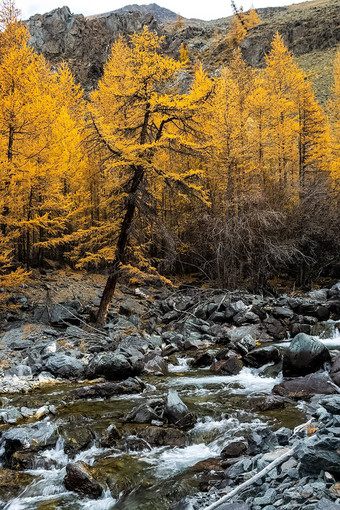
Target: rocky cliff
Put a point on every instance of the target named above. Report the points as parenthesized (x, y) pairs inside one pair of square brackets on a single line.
[(310, 29), (82, 42)]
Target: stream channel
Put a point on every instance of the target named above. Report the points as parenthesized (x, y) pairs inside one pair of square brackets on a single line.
[(149, 477)]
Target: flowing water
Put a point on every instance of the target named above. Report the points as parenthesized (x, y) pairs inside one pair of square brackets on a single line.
[(148, 477)]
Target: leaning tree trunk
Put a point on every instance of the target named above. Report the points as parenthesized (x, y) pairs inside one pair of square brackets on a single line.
[(121, 246)]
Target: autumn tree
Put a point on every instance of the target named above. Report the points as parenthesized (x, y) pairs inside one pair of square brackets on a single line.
[(137, 116), (39, 143)]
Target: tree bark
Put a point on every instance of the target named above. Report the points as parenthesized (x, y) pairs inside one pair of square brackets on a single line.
[(121, 246)]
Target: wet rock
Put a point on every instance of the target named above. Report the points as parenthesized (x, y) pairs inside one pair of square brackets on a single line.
[(111, 436), (212, 464), (177, 412), (22, 460), (162, 436), (80, 478), (108, 389), (297, 328), (319, 453), (145, 413), (267, 403), (12, 483), (261, 440), (111, 365), (262, 356), (202, 359), (34, 437), (305, 355), (305, 387), (77, 437), (234, 449), (156, 364), (64, 366), (231, 366)]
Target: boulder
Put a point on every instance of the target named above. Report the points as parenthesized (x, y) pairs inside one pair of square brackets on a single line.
[(305, 387), (177, 412), (246, 344), (77, 438), (163, 436), (202, 359), (67, 367), (80, 478), (331, 404), (145, 413), (276, 328), (111, 365), (36, 437), (259, 357), (305, 355), (319, 453), (108, 389), (236, 334), (261, 441), (267, 403), (111, 436), (156, 364), (231, 366), (234, 449), (61, 315)]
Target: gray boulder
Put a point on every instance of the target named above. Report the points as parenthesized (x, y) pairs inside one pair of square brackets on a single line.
[(112, 366), (259, 357), (261, 441), (177, 412), (145, 413), (319, 453), (64, 366), (305, 355), (306, 387), (34, 437)]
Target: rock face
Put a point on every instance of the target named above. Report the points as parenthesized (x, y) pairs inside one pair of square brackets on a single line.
[(304, 356), (84, 42)]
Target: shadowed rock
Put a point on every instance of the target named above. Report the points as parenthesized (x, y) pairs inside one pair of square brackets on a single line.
[(305, 355)]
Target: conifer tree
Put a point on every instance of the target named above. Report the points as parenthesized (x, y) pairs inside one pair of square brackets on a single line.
[(138, 115)]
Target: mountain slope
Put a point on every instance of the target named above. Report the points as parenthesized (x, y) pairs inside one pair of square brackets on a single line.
[(310, 29)]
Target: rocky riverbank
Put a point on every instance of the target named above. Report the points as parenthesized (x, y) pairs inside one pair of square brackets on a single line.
[(185, 388)]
